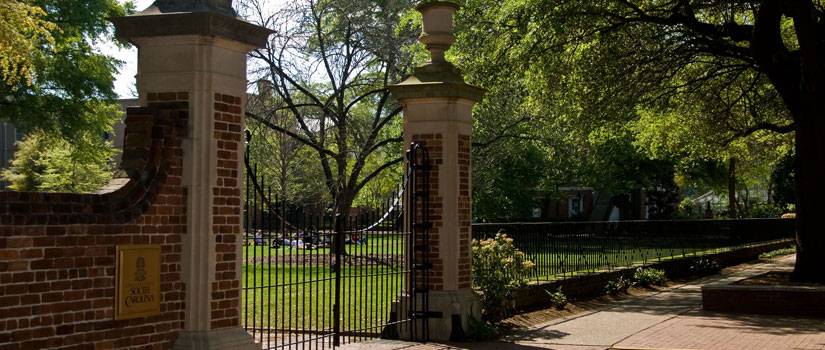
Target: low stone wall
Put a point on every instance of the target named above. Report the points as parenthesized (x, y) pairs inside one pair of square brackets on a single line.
[(57, 251), (533, 296), (766, 300)]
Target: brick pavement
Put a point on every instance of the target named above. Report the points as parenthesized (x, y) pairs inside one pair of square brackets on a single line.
[(669, 320)]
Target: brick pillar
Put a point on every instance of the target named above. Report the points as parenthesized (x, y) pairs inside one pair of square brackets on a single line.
[(438, 113), (199, 57)]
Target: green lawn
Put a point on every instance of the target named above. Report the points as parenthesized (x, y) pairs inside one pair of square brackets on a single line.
[(302, 297), (299, 294), (566, 258)]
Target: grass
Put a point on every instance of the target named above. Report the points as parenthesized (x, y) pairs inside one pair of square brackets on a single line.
[(299, 295), (778, 252), (569, 258), (302, 297)]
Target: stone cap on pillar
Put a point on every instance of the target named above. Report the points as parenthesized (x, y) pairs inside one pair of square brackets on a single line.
[(437, 78), (190, 17), (170, 6)]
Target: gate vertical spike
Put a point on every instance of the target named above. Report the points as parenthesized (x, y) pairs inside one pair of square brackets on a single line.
[(284, 269), (254, 244), (302, 282), (260, 229), (245, 243), (268, 268), (336, 306)]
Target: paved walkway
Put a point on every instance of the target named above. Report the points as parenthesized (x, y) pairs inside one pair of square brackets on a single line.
[(671, 319)]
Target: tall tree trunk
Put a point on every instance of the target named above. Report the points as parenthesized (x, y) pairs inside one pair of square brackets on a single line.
[(801, 82), (810, 196), (343, 204), (732, 188)]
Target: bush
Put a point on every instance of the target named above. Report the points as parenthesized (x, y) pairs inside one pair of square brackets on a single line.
[(649, 277), (557, 298), (765, 210), (499, 269), (478, 330), (617, 286), (704, 266), (688, 210), (778, 252), (49, 163)]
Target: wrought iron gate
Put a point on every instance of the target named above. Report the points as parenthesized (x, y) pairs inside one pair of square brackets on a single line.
[(312, 280)]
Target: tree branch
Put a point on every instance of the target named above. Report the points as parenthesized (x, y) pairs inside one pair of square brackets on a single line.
[(291, 134), (376, 172), (781, 129)]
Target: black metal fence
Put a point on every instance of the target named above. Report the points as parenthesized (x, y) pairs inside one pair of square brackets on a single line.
[(314, 280), (562, 250)]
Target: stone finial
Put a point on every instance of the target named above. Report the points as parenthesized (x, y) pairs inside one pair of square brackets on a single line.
[(437, 31), (217, 6)]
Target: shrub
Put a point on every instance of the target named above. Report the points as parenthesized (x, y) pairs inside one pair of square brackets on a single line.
[(50, 163), (557, 298), (479, 330), (765, 210), (649, 277), (499, 269), (704, 266), (778, 252), (617, 286)]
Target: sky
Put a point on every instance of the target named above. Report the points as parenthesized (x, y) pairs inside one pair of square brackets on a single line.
[(125, 80)]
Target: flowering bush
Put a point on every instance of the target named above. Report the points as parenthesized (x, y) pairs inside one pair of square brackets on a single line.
[(498, 270), (649, 277)]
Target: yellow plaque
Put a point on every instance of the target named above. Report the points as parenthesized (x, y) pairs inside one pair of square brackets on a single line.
[(137, 293)]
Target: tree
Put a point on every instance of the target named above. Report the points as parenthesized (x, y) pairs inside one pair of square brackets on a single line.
[(280, 161), (329, 63), (783, 178), (23, 30), (51, 164), (58, 84), (743, 66)]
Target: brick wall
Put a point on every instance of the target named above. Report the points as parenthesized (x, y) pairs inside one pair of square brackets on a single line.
[(765, 300), (57, 251), (464, 212), (226, 208), (434, 145)]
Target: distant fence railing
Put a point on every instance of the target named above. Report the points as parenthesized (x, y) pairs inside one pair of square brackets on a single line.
[(562, 250)]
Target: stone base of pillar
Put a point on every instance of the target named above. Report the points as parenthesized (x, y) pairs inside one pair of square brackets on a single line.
[(224, 338), (455, 309)]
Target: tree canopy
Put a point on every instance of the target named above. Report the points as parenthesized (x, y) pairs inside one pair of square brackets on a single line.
[(54, 80), (23, 29), (693, 80), (329, 64)]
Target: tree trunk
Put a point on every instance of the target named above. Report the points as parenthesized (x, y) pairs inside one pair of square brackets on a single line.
[(732, 188), (341, 223), (799, 78), (810, 194)]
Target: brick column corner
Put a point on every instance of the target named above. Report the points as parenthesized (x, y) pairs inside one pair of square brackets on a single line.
[(198, 52)]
